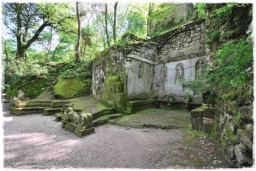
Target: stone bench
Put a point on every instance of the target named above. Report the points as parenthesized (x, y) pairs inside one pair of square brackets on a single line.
[(138, 105), (171, 104)]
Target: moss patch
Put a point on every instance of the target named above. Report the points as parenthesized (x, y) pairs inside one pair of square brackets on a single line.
[(113, 95), (157, 118), (32, 88), (68, 88)]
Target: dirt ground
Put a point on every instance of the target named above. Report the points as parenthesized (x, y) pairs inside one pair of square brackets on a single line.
[(38, 142)]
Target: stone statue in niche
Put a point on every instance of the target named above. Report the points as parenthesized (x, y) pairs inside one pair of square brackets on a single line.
[(141, 71), (200, 66), (179, 72)]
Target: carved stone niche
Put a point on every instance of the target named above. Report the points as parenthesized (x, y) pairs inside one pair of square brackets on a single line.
[(100, 74), (179, 72), (163, 73), (199, 68), (141, 71)]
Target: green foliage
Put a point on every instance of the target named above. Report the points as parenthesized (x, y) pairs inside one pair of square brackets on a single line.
[(231, 136), (76, 70), (31, 88), (214, 35), (200, 9), (198, 85), (225, 10), (230, 69)]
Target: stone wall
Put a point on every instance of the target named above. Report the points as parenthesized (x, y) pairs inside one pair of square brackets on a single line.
[(182, 56), (234, 115), (234, 127), (179, 14), (140, 64), (152, 68)]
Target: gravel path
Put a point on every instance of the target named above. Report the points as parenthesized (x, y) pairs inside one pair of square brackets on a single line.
[(38, 142)]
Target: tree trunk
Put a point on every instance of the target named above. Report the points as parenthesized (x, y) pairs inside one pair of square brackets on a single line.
[(114, 28), (106, 24), (150, 8), (78, 35), (6, 54)]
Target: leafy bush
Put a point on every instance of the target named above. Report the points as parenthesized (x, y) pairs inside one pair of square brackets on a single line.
[(76, 70), (232, 67)]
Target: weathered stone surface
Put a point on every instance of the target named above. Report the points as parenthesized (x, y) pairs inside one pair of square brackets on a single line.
[(207, 124), (209, 112), (150, 67), (79, 123), (243, 157), (249, 130), (83, 132), (51, 111), (58, 117), (198, 112), (244, 139), (69, 126), (197, 123), (246, 112), (68, 88), (230, 151)]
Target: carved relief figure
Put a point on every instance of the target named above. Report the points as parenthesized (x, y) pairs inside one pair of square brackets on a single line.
[(200, 66), (99, 77), (163, 74), (141, 71), (179, 72)]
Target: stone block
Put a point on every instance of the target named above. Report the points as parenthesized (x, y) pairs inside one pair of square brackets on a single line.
[(198, 112), (249, 130), (209, 112), (243, 157), (102, 113), (83, 132), (230, 151), (244, 139), (51, 111), (69, 126), (197, 123), (47, 103), (246, 112), (58, 117), (208, 124)]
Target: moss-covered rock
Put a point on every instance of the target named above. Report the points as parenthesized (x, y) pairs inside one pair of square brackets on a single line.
[(31, 87), (68, 88), (113, 94)]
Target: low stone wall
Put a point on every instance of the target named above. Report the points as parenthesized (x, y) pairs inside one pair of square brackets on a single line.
[(233, 128), (235, 132), (202, 118)]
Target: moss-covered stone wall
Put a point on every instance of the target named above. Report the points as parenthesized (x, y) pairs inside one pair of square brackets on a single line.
[(234, 106)]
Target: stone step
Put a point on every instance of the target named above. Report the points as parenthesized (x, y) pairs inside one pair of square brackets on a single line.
[(138, 105), (27, 110), (104, 119), (48, 103), (51, 111), (102, 112)]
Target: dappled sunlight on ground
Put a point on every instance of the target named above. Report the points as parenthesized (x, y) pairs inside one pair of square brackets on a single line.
[(44, 146)]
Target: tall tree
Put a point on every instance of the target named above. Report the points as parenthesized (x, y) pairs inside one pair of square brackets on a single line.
[(114, 27), (106, 24), (26, 21), (78, 34)]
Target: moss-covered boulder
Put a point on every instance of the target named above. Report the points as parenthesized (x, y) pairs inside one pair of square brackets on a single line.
[(32, 87), (69, 87)]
